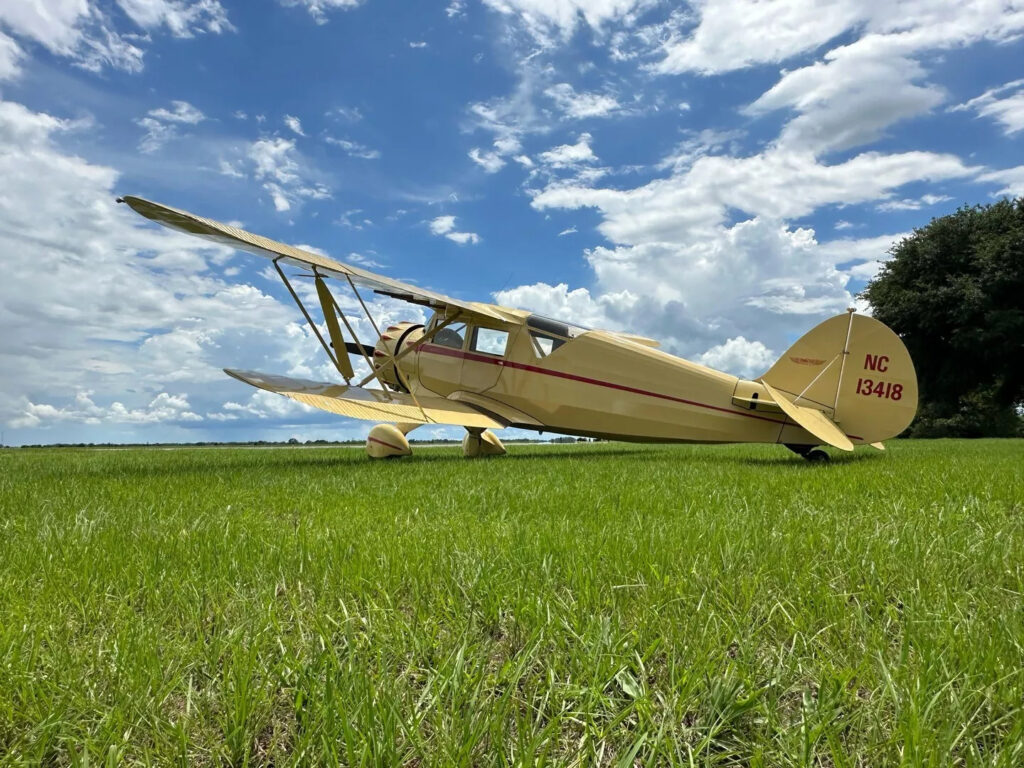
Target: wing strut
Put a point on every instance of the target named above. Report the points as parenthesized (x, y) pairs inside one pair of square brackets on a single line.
[(334, 355), (363, 305), (337, 350), (334, 350)]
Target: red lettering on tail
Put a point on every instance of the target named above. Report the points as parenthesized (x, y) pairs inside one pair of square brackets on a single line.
[(876, 363)]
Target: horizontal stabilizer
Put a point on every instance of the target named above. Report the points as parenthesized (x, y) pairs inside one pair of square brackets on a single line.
[(370, 404), (811, 419)]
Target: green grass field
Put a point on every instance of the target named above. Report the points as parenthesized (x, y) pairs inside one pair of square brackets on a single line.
[(579, 605)]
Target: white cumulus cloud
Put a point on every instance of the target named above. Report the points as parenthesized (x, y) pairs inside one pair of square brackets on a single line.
[(354, 148), (10, 58), (84, 31), (552, 20), (1004, 104), (577, 106), (105, 315), (570, 155), (739, 357), (445, 226), (278, 165), (319, 9), (161, 125), (182, 18), (491, 162)]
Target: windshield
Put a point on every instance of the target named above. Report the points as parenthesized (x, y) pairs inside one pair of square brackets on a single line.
[(451, 336), (548, 334)]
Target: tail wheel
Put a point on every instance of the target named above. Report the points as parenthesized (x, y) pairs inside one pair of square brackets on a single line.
[(809, 452)]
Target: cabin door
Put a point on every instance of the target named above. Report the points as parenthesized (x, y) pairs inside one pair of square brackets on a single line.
[(439, 362), (485, 357)]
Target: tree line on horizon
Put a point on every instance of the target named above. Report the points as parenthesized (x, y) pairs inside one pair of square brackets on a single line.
[(954, 292)]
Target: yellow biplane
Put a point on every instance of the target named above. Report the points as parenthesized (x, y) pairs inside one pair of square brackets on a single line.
[(849, 381)]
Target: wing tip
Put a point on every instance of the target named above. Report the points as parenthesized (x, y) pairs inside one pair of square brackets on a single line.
[(243, 376)]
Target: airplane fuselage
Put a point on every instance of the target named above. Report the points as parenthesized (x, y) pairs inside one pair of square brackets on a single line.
[(591, 383)]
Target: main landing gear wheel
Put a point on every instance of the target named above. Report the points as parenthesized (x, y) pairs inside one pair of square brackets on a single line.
[(810, 453), (481, 442), (386, 441)]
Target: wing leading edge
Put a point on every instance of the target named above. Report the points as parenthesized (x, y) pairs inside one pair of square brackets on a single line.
[(225, 234), (370, 404)]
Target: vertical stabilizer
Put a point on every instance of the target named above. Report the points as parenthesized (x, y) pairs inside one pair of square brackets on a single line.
[(854, 370)]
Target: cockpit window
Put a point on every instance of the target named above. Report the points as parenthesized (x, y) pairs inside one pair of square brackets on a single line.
[(451, 336), (490, 341), (544, 345), (547, 334)]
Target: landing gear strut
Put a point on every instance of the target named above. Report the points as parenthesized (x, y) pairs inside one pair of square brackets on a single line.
[(810, 453), (481, 442)]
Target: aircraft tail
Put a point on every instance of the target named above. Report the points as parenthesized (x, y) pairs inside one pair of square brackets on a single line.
[(853, 370)]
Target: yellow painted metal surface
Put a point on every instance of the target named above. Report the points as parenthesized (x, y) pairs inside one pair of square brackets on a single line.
[(873, 395), (393, 340), (478, 444), (386, 441), (848, 381), (500, 410)]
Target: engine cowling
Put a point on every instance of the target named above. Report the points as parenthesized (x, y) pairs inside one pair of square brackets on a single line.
[(391, 343)]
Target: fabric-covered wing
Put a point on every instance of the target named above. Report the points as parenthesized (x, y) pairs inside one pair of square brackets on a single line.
[(224, 234), (369, 404)]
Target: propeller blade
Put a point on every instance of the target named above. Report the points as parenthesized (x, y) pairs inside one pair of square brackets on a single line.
[(327, 304), (353, 349)]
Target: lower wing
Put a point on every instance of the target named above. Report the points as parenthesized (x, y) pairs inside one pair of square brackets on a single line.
[(370, 404)]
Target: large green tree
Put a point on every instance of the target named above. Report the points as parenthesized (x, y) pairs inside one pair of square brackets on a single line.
[(954, 291)]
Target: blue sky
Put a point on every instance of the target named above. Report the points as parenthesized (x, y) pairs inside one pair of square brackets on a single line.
[(720, 176)]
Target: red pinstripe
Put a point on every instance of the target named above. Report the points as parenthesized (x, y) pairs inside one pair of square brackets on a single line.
[(478, 358), (385, 442)]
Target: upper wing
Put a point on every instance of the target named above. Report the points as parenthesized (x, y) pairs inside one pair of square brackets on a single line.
[(225, 234), (370, 404)]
